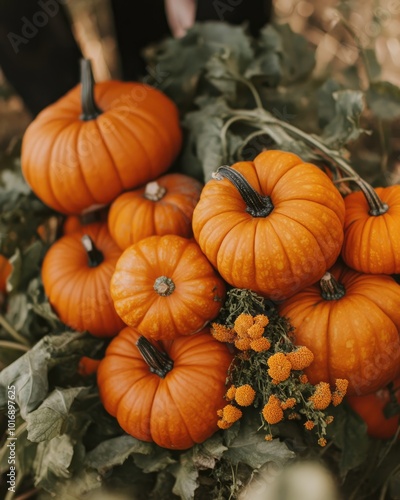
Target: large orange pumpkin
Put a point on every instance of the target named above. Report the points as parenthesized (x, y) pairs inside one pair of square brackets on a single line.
[(165, 287), (164, 206), (351, 323), (93, 143), (274, 225), (371, 408), (76, 275), (372, 230), (168, 392)]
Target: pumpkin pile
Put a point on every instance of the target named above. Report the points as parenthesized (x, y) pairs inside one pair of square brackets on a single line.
[(153, 271)]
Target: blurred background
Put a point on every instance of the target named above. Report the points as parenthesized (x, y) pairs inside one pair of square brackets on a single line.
[(375, 25)]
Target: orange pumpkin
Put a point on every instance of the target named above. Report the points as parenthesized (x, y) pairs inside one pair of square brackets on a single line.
[(5, 270), (372, 230), (98, 141), (74, 223), (274, 225), (164, 206), (76, 276), (165, 287), (168, 392), (351, 323), (371, 408), (88, 366)]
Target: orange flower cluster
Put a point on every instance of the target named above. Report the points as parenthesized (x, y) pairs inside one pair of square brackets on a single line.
[(244, 395), (228, 416), (247, 333), (300, 358), (272, 411), (230, 393), (222, 333), (289, 403), (279, 367), (309, 425), (322, 396), (340, 392)]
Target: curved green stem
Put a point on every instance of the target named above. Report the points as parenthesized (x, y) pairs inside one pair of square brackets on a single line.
[(90, 110), (376, 205), (13, 332), (158, 362), (330, 288), (95, 257), (7, 344), (257, 205), (253, 90)]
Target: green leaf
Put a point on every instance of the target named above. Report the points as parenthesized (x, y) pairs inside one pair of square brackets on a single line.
[(345, 125), (47, 421), (159, 460), (115, 451), (250, 447), (267, 62), (383, 99), (28, 374), (83, 483), (186, 477), (205, 126), (223, 73), (53, 458), (298, 57), (206, 454), (349, 433), (327, 102)]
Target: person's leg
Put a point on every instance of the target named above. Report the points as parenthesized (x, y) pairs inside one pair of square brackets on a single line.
[(38, 53)]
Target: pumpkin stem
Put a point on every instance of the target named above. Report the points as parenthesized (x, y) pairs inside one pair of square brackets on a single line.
[(158, 361), (95, 257), (330, 288), (257, 205), (154, 192), (90, 110), (376, 205), (164, 286)]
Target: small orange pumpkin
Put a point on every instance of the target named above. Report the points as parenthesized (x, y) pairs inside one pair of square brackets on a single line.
[(98, 141), (88, 366), (351, 323), (164, 206), (74, 223), (371, 408), (168, 392), (76, 276), (372, 230), (165, 287), (5, 270), (273, 225)]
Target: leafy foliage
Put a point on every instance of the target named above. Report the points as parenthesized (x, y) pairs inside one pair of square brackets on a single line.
[(237, 95)]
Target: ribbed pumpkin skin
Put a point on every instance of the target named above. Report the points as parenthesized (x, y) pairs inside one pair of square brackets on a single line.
[(289, 249), (371, 407), (176, 411), (372, 243), (73, 165), (133, 217), (80, 294), (355, 337), (197, 298)]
